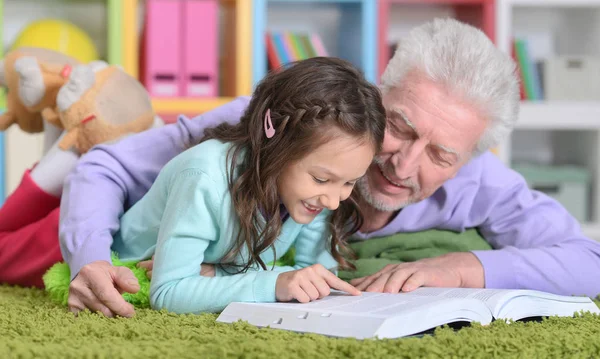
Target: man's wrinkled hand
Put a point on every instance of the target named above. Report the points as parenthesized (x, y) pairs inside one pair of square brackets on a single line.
[(99, 287), (450, 270)]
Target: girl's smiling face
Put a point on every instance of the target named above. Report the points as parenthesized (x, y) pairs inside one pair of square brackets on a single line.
[(324, 177)]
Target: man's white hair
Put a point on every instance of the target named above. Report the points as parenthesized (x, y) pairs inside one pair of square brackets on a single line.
[(466, 62)]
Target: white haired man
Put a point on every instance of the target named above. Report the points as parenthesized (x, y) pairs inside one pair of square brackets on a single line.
[(450, 96)]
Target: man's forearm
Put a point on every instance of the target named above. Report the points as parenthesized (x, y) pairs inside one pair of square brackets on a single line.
[(567, 268)]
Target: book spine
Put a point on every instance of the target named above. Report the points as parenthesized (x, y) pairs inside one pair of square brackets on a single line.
[(318, 45), (274, 61)]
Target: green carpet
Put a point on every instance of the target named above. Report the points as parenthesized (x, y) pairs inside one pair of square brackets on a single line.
[(32, 326)]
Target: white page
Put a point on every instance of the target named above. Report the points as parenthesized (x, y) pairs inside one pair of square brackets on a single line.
[(491, 297), (516, 304), (519, 304), (365, 304)]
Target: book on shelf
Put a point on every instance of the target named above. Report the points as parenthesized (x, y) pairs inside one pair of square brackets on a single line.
[(384, 315), (284, 47), (529, 70)]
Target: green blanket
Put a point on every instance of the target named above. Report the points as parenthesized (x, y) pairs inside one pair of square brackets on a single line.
[(373, 254)]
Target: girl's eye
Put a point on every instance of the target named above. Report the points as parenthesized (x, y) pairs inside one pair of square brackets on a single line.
[(318, 180)]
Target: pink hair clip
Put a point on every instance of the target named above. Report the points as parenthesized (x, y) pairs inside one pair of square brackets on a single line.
[(269, 130)]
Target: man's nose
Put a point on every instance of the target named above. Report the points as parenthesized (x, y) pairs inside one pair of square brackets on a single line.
[(407, 160)]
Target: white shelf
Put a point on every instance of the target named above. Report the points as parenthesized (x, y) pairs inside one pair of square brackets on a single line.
[(559, 115), (591, 230), (553, 3)]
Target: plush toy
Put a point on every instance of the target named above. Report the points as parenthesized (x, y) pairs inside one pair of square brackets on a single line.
[(101, 103), (33, 77)]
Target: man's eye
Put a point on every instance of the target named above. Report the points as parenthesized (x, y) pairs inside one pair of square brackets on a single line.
[(401, 131), (441, 161), (319, 180)]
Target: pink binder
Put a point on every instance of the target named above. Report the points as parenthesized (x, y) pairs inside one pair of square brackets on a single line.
[(163, 47), (200, 48)]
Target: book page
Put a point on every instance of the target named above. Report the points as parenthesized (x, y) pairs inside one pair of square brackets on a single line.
[(491, 297), (515, 303), (365, 304)]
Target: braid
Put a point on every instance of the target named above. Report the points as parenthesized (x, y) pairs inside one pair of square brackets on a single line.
[(304, 112)]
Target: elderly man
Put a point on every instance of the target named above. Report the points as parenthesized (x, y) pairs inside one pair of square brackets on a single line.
[(450, 96)]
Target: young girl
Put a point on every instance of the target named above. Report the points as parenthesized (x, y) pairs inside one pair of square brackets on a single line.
[(248, 192)]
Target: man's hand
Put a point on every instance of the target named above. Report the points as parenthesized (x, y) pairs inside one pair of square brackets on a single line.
[(310, 283), (98, 287), (449, 270), (206, 269)]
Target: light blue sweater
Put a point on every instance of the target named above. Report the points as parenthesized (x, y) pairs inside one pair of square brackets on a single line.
[(187, 219)]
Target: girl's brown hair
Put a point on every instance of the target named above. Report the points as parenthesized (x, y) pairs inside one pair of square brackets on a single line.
[(306, 100)]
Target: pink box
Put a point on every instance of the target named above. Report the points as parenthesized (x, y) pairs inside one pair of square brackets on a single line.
[(200, 48), (163, 47)]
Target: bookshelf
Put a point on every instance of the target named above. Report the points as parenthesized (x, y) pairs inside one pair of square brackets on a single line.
[(565, 131), (334, 20)]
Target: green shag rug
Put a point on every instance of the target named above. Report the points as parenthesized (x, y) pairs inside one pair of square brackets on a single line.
[(34, 326)]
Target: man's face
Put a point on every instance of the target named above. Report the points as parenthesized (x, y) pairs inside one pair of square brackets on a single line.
[(429, 135)]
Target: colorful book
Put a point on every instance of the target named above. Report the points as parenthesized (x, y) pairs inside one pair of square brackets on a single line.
[(307, 45), (317, 44), (519, 70), (526, 68), (272, 55)]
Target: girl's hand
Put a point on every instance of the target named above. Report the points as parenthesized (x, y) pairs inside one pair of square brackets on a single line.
[(206, 270), (309, 284)]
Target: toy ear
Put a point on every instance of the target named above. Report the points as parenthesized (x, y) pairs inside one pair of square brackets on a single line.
[(31, 81), (98, 65), (82, 78)]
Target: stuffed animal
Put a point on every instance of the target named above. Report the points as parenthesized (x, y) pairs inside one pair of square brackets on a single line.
[(100, 103), (32, 77)]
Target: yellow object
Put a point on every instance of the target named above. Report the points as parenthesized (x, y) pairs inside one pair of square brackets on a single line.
[(190, 106), (60, 36), (130, 38), (244, 47)]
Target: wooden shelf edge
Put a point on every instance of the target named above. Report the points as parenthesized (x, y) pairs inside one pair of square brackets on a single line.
[(591, 230), (559, 115), (188, 105)]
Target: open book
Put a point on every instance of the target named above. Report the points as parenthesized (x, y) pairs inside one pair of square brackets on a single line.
[(384, 315)]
